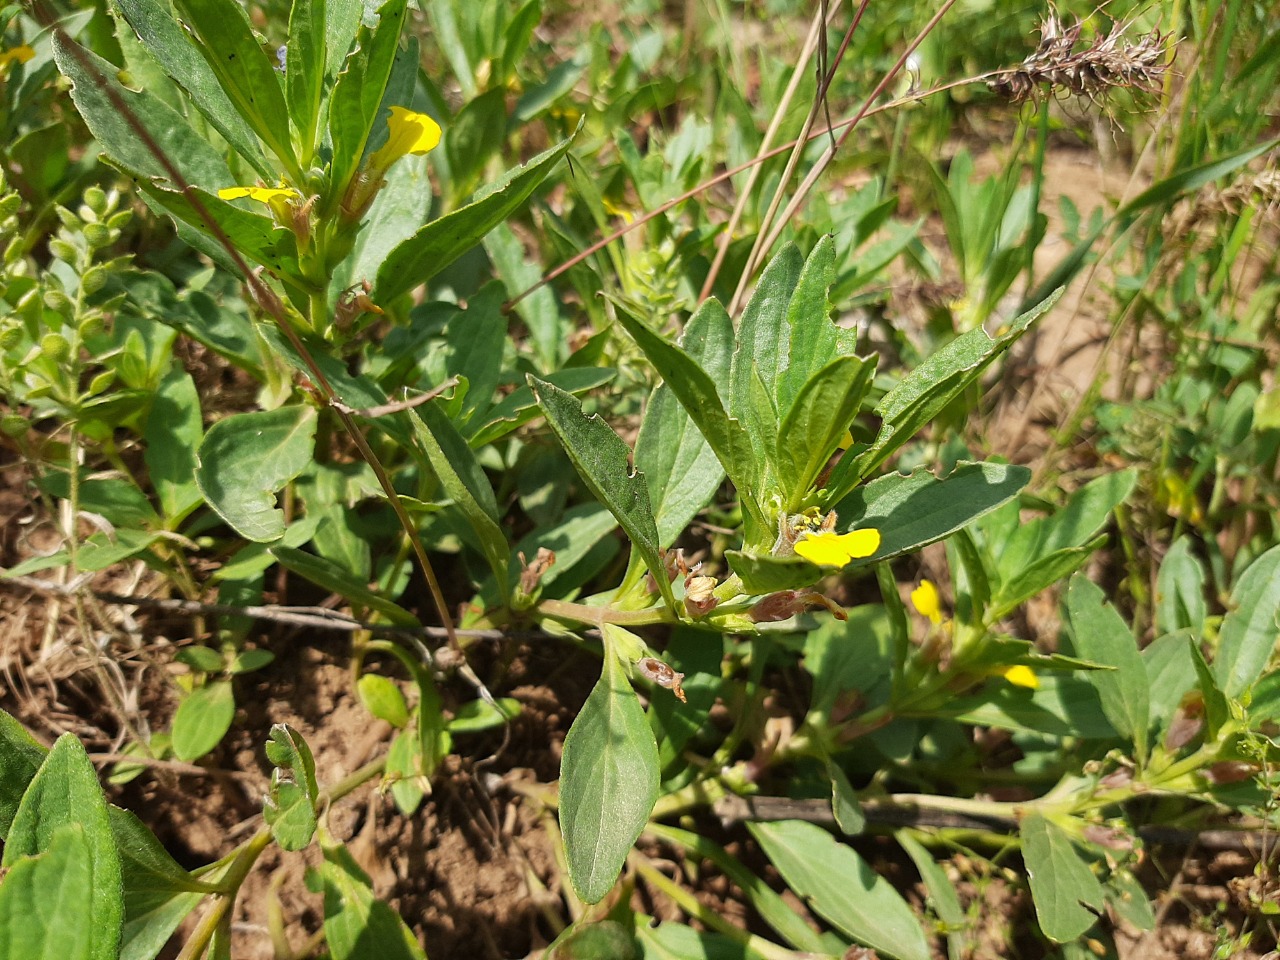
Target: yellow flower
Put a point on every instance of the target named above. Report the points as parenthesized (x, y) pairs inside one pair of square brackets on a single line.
[(19, 54), (261, 194), (925, 599), (1021, 675), (409, 133), (830, 549)]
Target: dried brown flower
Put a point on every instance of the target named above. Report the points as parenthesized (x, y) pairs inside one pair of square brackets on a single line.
[(1113, 60)]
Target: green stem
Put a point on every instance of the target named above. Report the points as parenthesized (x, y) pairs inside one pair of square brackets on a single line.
[(598, 616), (687, 902), (222, 903)]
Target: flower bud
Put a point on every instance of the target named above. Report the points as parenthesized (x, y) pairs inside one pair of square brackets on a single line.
[(10, 203), (99, 235), (57, 300), (94, 279), (62, 250), (95, 199), (55, 347)]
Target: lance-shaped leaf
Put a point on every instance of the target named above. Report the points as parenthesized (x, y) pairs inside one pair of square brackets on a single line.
[(354, 105), (913, 511), (94, 82), (696, 389), (1250, 630), (356, 923), (815, 340), (1062, 885), (244, 70), (463, 481), (608, 780), (333, 579), (841, 888), (46, 903), (63, 795), (306, 55), (602, 460), (160, 32), (1099, 633), (820, 416), (20, 758), (927, 389), (443, 241), (763, 333), (247, 458), (680, 466)]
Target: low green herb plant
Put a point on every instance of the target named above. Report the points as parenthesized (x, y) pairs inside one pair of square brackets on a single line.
[(391, 434)]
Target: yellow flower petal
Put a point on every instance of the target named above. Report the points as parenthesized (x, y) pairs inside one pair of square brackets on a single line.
[(1021, 675), (19, 54), (261, 194), (925, 599), (829, 549), (846, 441), (409, 132)]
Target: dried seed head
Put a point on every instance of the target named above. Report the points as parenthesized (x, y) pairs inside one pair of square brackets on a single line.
[(1112, 60)]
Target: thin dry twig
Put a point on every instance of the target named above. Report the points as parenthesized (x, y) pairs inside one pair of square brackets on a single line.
[(316, 617)]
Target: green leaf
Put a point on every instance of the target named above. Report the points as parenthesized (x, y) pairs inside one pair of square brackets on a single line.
[(476, 716), (1072, 526), (696, 389), (815, 340), (521, 406), (608, 782), (248, 78), (1062, 884), (203, 719), (95, 83), (161, 33), (841, 888), (942, 893), (20, 758), (65, 793), (1171, 673), (1062, 706), (1041, 575), (442, 241), (47, 903), (768, 574), (601, 459), (331, 577), (290, 807), (679, 465), (173, 432), (1180, 589), (256, 236), (463, 481), (246, 458), (927, 389), (404, 761), (476, 135), (356, 924), (147, 867), (818, 419), (305, 69), (1099, 633), (594, 940), (762, 331), (1250, 629), (1216, 709), (772, 908), (919, 509), (356, 102), (476, 339), (383, 699)]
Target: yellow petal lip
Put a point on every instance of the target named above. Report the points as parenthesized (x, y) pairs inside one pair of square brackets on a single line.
[(1021, 675), (925, 599), (410, 132), (829, 549), (20, 54), (261, 194)]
